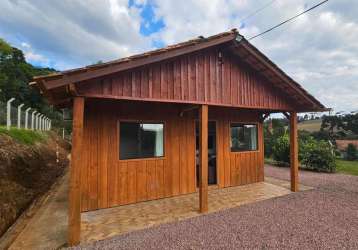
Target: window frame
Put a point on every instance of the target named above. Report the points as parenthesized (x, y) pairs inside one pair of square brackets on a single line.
[(145, 122), (257, 137)]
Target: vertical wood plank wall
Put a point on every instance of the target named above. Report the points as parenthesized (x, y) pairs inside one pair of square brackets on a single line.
[(195, 78), (237, 168), (107, 181)]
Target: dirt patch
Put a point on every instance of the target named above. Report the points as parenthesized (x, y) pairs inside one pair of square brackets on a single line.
[(27, 171)]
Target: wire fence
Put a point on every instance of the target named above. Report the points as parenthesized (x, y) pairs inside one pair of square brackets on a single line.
[(22, 117), (2, 114)]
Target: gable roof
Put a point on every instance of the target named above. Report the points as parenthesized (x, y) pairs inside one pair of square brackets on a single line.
[(233, 41)]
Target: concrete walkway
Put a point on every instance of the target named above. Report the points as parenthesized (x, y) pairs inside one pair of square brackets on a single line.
[(48, 227)]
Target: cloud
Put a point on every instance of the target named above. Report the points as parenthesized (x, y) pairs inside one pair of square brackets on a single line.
[(33, 57), (319, 49), (75, 32)]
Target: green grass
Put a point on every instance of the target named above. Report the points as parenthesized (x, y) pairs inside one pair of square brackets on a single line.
[(347, 167), (27, 137)]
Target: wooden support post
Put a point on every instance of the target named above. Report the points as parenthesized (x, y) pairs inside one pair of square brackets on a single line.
[(203, 155), (293, 151), (74, 213)]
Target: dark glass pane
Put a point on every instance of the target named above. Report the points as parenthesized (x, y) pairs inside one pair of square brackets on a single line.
[(141, 140), (243, 137)]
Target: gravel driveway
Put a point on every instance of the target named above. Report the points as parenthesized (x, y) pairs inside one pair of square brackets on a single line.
[(323, 218)]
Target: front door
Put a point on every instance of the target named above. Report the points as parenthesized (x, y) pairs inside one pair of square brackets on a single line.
[(212, 173)]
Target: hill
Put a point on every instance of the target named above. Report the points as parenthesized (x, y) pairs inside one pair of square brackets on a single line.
[(15, 75), (29, 165), (310, 126)]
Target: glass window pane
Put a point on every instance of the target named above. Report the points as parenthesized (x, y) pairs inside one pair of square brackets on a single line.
[(141, 140), (243, 137)]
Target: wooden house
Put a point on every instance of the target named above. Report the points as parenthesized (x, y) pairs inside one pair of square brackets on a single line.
[(172, 121)]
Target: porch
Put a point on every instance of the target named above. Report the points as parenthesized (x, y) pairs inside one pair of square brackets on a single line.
[(104, 223)]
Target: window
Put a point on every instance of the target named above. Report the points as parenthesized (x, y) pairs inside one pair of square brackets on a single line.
[(243, 137), (141, 140)]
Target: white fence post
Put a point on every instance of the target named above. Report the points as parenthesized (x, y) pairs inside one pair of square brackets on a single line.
[(38, 121), (8, 114), (19, 115), (42, 122), (27, 117), (33, 119)]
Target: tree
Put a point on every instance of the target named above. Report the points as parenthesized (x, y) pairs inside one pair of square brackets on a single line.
[(273, 129), (15, 75), (351, 152)]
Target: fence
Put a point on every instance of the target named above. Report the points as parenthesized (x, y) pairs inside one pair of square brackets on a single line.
[(22, 117)]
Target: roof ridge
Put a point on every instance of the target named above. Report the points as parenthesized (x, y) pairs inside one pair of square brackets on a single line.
[(170, 47)]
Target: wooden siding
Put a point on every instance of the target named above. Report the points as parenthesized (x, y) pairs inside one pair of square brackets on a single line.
[(237, 168), (107, 181), (208, 77)]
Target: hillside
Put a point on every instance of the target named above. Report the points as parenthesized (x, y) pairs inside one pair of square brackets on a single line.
[(15, 75), (28, 167), (310, 126)]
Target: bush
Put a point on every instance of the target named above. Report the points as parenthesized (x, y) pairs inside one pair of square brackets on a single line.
[(318, 156), (281, 149), (351, 152), (313, 154)]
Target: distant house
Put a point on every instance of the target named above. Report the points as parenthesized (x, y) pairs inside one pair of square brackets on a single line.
[(169, 121)]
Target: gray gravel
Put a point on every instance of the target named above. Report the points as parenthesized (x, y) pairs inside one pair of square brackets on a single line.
[(323, 218)]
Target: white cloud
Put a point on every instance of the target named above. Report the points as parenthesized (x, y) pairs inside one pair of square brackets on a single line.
[(319, 49), (75, 33), (31, 56)]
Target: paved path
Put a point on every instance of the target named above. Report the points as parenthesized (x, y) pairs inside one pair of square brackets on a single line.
[(48, 228), (322, 218)]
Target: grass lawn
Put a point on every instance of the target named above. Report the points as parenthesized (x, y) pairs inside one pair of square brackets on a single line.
[(28, 137), (347, 167), (343, 166)]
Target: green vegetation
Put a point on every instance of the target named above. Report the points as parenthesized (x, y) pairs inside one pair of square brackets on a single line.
[(281, 149), (341, 127), (314, 153), (317, 156), (351, 152), (15, 76), (347, 167), (27, 137)]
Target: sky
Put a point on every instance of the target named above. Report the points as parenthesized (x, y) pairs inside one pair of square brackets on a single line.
[(319, 50)]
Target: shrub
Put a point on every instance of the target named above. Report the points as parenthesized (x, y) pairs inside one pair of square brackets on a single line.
[(318, 156), (351, 152), (281, 149), (313, 154)]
